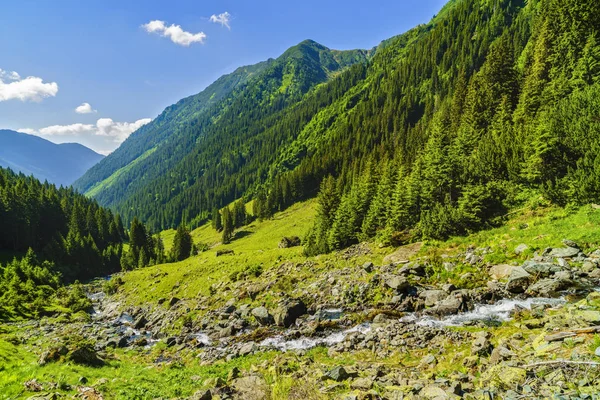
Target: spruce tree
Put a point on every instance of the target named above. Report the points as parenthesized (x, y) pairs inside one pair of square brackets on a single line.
[(182, 244), (228, 225)]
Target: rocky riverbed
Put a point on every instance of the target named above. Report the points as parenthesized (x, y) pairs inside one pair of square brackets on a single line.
[(446, 340)]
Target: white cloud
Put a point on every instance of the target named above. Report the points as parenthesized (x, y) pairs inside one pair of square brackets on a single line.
[(222, 19), (174, 32), (9, 75), (85, 108), (13, 87), (117, 132)]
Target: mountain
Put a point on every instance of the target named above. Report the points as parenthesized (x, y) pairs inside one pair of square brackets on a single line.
[(60, 164), (252, 93), (437, 132)]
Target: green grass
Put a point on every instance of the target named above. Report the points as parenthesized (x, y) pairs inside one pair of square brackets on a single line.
[(538, 228), (108, 182)]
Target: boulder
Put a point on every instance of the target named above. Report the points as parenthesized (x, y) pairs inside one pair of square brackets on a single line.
[(224, 252), (518, 280), (481, 346), (570, 243), (399, 283), (541, 269), (248, 348), (337, 374), (140, 322), (362, 384), (289, 311), (452, 304), (292, 241), (202, 395), (251, 387), (262, 316), (412, 269), (433, 392), (368, 267), (548, 287), (520, 249), (433, 297), (505, 376), (565, 252), (501, 271), (85, 355)]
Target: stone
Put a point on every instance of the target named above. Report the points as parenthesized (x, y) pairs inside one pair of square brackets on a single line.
[(202, 395), (224, 252), (501, 271), (518, 280), (520, 249), (287, 242), (433, 392), (368, 267), (595, 274), (429, 359), (234, 373), (433, 297), (248, 348), (590, 316), (481, 346), (85, 355), (362, 384), (83, 380), (500, 354), (452, 304), (337, 374), (289, 311), (251, 387), (415, 269), (564, 252), (173, 301), (564, 275), (262, 316), (140, 322), (381, 319), (548, 287), (399, 283), (597, 352), (504, 375), (540, 269), (570, 243)]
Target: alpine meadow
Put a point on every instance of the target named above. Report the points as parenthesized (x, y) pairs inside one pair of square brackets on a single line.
[(416, 220)]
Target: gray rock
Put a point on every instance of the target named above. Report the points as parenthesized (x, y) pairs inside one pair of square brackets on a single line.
[(262, 316), (570, 243), (433, 297), (85, 355), (140, 322), (564, 275), (337, 374), (368, 267), (289, 311), (481, 346), (452, 304), (248, 348), (565, 252), (597, 352), (292, 241), (548, 287), (202, 395), (595, 274), (541, 269), (429, 359), (398, 283), (362, 384), (521, 248), (412, 269), (518, 280)]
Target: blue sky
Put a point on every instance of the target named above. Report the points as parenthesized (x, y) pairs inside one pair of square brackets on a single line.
[(61, 54)]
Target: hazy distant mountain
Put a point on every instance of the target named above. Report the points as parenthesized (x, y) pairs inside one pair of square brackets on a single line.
[(61, 164)]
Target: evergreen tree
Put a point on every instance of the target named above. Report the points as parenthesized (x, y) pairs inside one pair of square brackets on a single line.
[(228, 225), (182, 244)]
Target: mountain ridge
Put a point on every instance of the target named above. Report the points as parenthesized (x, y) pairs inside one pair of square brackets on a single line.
[(60, 164)]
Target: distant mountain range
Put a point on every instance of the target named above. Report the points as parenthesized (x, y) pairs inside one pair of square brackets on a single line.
[(60, 164)]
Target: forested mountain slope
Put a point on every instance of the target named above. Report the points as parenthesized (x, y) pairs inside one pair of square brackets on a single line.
[(60, 164), (250, 94), (444, 130)]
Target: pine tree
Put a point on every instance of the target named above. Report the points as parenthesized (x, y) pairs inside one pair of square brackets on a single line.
[(182, 244), (216, 220), (228, 225)]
